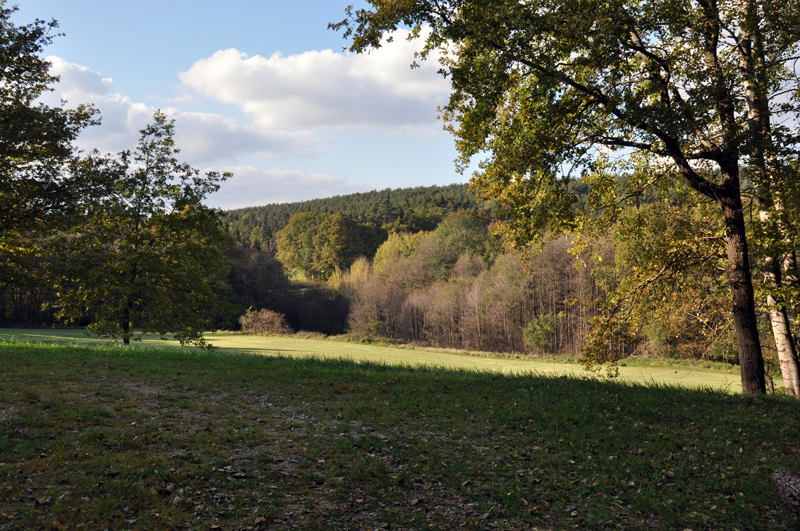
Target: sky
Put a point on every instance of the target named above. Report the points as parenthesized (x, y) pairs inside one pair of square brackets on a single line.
[(260, 88)]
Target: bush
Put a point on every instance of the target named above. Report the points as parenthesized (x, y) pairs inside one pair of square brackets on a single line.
[(658, 341), (264, 322), (539, 333), (724, 349)]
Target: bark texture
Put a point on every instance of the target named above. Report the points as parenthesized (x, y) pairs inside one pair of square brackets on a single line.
[(786, 482), (781, 328), (744, 310)]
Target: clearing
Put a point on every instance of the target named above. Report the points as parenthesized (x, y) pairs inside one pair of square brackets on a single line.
[(658, 371)]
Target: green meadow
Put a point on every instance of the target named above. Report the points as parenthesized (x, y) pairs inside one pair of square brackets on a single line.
[(661, 371), (153, 437)]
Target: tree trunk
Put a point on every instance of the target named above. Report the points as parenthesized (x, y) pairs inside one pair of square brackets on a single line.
[(790, 270), (778, 315), (753, 65), (744, 311), (126, 325), (786, 349), (781, 331)]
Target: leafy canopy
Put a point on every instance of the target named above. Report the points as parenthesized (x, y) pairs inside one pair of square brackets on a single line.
[(37, 190), (148, 253), (36, 140), (557, 91)]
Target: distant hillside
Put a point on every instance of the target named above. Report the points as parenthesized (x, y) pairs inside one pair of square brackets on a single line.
[(403, 209)]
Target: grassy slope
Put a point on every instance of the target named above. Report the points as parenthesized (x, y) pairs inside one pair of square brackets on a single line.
[(659, 371), (98, 437)]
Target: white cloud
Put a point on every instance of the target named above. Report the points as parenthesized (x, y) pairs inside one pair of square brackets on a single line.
[(206, 137), (292, 107), (252, 186), (78, 80), (324, 88), (202, 137)]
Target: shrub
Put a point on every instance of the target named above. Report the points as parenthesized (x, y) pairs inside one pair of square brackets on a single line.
[(724, 348), (539, 333), (264, 322)]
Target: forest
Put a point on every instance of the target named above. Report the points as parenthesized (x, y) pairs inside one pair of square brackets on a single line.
[(403, 210), (603, 222), (335, 271), (454, 287)]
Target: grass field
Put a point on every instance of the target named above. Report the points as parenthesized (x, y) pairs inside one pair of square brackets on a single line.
[(99, 437), (714, 376)]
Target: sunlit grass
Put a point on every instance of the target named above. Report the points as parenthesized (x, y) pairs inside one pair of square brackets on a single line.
[(660, 371)]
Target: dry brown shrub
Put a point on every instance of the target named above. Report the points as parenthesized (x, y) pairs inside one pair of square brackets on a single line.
[(264, 322)]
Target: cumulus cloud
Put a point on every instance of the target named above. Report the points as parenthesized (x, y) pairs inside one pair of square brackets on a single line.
[(202, 137), (121, 117), (325, 88), (258, 186), (207, 137), (77, 80), (292, 107)]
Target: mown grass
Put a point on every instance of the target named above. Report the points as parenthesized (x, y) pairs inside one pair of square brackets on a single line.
[(643, 370), (95, 437)]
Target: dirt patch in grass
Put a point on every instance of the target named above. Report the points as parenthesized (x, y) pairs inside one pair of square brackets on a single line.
[(141, 388)]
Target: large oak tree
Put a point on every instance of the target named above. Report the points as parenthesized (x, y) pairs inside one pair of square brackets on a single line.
[(557, 90)]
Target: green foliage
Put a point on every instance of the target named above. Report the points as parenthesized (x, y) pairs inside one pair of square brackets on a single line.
[(36, 150), (256, 279), (255, 238), (539, 333), (147, 253), (38, 187), (657, 338), (402, 210), (619, 96), (315, 245), (348, 281), (724, 348), (460, 233), (667, 276), (398, 245)]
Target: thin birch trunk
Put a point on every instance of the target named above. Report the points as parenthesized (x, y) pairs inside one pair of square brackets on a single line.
[(752, 65), (781, 331)]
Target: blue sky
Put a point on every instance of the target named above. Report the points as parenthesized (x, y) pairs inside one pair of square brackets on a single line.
[(260, 88)]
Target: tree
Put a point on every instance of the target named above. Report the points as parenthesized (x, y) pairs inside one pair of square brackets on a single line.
[(331, 245), (257, 279), (561, 90), (296, 243), (148, 253), (675, 247), (37, 190), (540, 331), (397, 245), (316, 244)]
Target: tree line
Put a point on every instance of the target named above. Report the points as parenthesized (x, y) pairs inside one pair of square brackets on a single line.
[(390, 210)]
